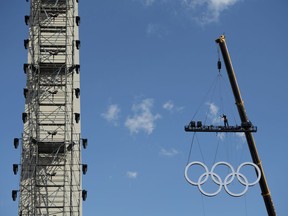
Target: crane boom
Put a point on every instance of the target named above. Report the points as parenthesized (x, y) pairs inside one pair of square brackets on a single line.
[(244, 120)]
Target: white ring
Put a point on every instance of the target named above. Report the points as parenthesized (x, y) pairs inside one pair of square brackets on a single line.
[(226, 164), (258, 173), (197, 163), (216, 192), (236, 194)]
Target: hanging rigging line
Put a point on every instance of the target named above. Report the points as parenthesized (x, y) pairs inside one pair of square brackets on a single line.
[(205, 96), (190, 150)]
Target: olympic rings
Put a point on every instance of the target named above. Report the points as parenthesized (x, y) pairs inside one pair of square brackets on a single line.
[(227, 180)]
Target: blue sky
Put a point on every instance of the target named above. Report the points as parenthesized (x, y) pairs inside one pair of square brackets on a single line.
[(146, 69)]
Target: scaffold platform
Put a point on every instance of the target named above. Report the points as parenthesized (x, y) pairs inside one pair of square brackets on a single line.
[(199, 127)]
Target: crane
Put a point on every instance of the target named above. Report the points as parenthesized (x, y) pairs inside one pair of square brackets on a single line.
[(245, 121)]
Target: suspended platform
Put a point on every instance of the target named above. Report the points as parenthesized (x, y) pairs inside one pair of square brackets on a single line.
[(198, 127)]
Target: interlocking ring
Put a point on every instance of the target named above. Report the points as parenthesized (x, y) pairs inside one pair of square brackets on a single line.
[(227, 180)]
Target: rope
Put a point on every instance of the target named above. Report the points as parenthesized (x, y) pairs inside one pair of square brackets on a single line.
[(246, 210), (216, 151), (221, 96), (203, 205), (190, 150), (191, 146), (200, 149), (226, 88), (205, 96), (189, 156), (213, 92)]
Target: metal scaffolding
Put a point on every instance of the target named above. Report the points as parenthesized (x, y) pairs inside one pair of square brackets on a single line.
[(51, 179)]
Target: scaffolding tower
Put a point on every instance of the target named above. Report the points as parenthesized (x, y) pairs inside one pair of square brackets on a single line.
[(51, 176)]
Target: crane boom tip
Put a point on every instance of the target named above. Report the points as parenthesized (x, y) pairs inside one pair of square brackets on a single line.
[(220, 39)]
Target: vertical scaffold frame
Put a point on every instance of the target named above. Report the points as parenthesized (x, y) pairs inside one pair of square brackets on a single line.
[(51, 180)]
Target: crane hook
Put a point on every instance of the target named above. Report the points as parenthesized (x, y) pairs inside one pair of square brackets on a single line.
[(219, 65)]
